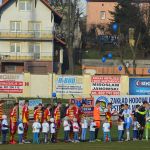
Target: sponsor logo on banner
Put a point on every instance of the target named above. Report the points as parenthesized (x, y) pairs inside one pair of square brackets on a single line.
[(139, 86), (11, 83), (69, 85), (103, 102), (89, 105), (32, 105), (105, 85), (131, 100)]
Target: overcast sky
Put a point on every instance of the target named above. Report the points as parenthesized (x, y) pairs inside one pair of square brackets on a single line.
[(83, 6)]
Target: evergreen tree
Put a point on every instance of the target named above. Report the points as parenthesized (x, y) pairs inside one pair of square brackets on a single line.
[(128, 15)]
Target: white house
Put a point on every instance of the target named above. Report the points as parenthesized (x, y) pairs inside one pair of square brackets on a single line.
[(27, 36)]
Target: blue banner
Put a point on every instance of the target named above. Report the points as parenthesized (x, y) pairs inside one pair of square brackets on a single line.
[(117, 100), (139, 86)]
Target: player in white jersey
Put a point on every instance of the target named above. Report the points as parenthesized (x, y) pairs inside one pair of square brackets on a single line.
[(127, 120)]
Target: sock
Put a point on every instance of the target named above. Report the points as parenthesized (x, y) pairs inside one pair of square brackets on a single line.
[(128, 135), (146, 133)]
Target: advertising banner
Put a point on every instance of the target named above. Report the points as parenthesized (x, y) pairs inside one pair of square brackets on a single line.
[(105, 85), (139, 86), (11, 83), (32, 104), (69, 85), (131, 100), (89, 105)]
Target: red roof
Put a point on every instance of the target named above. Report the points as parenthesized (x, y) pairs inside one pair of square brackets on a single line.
[(45, 2)]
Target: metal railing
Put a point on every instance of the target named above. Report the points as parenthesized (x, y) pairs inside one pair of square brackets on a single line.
[(8, 56), (40, 35)]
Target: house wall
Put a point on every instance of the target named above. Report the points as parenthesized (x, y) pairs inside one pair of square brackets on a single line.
[(46, 50), (93, 13), (39, 13), (12, 13)]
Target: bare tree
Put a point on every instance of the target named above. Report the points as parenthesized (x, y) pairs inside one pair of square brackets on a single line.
[(70, 9)]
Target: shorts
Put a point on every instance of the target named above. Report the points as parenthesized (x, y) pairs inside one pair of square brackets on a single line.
[(13, 128), (97, 124), (25, 126), (110, 124), (71, 126), (127, 125), (142, 122), (58, 123)]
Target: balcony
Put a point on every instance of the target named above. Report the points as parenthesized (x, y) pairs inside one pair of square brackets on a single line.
[(26, 35), (25, 56)]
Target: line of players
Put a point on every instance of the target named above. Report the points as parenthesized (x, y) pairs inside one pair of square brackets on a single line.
[(41, 113), (73, 111)]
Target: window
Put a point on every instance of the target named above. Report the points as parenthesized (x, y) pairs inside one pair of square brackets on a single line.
[(15, 26), (15, 47), (102, 15), (34, 27), (34, 48), (25, 5), (10, 69)]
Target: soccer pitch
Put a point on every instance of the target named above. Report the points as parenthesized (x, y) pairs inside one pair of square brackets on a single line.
[(138, 145)]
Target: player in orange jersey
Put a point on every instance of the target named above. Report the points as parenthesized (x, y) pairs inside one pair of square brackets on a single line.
[(71, 112), (13, 123), (57, 118), (1, 113), (1, 109), (96, 115), (47, 113), (38, 113), (109, 112), (25, 119)]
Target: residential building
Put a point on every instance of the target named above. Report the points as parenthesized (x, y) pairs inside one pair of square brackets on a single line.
[(101, 10), (27, 36)]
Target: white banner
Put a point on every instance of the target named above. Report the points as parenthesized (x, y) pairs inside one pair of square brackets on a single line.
[(131, 100), (69, 85), (11, 83), (105, 85)]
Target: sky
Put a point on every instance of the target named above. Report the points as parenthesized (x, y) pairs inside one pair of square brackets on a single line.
[(83, 3)]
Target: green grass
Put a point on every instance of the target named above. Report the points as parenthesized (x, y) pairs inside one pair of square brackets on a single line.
[(82, 146), (91, 54), (138, 145)]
